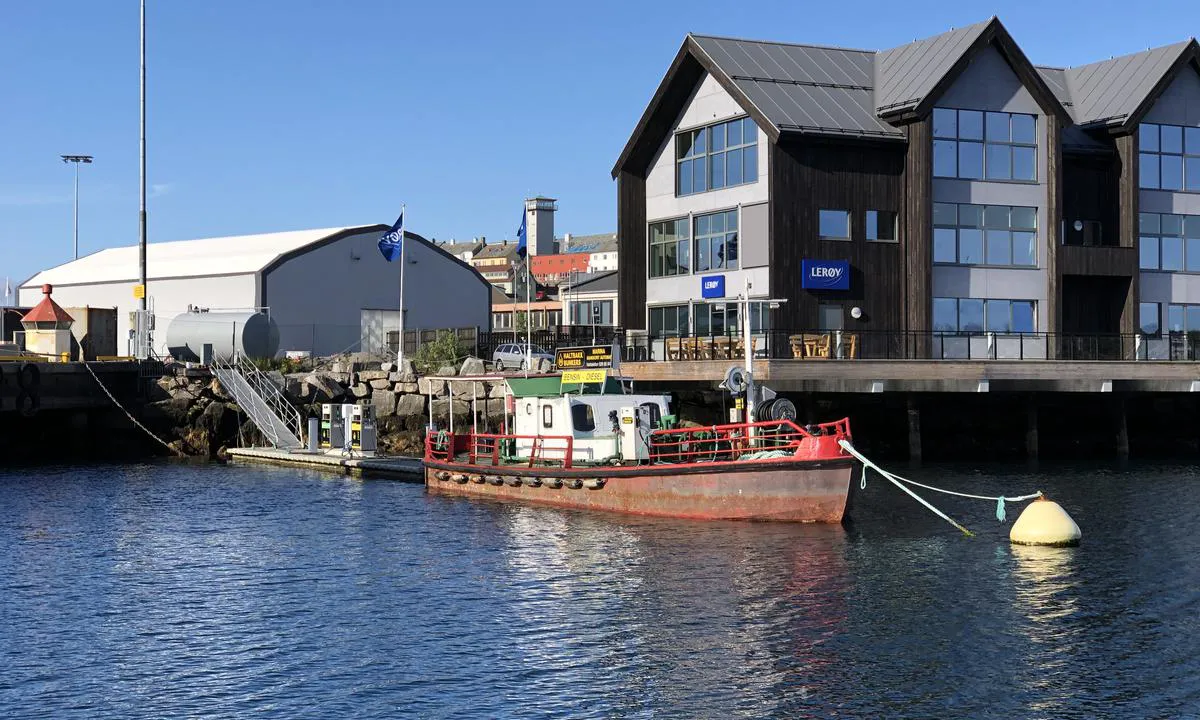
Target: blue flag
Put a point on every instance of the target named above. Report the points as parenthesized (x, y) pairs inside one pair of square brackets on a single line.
[(392, 241), (521, 236)]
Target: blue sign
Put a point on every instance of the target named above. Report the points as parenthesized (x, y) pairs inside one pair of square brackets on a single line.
[(825, 275), (712, 286)]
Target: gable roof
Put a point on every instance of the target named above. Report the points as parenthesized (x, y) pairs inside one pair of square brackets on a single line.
[(600, 282), (496, 250), (235, 255), (912, 77), (1116, 93)]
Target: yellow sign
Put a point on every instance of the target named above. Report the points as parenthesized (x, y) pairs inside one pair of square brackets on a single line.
[(583, 376), (139, 292), (600, 356), (739, 403)]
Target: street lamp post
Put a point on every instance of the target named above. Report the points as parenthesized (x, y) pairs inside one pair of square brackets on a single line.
[(77, 160)]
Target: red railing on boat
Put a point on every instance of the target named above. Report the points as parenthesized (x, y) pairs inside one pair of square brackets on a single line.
[(486, 447), (725, 443)]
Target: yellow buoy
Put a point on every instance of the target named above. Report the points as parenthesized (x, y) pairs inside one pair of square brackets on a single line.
[(1044, 522)]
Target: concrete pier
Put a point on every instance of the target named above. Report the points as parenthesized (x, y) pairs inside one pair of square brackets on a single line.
[(400, 468)]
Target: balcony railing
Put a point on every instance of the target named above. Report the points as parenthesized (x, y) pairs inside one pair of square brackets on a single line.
[(819, 345)]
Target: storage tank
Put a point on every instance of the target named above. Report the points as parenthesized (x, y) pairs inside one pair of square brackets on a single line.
[(248, 333)]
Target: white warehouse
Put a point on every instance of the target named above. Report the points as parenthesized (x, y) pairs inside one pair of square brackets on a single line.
[(313, 283)]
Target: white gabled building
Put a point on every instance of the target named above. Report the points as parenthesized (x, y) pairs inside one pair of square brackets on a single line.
[(314, 284)]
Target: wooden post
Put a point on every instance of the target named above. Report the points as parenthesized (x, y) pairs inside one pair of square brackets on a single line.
[(914, 430), (1031, 429), (1122, 431)]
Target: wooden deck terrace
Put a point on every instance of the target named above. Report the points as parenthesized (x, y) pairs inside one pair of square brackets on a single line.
[(949, 376)]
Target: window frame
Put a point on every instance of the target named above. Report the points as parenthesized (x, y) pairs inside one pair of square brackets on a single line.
[(895, 226), (725, 236), (986, 321), (709, 155), (849, 225), (676, 307), (1158, 323), (986, 233), (1153, 232), (590, 417), (984, 145), (678, 241), (1153, 154)]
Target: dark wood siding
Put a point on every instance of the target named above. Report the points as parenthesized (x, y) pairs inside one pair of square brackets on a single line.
[(1127, 157), (918, 232), (809, 175), (631, 248)]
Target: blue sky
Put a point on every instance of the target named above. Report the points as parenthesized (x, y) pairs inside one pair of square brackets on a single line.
[(269, 115)]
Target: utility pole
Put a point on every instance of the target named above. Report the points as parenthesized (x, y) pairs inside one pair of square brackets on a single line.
[(77, 160), (142, 205)]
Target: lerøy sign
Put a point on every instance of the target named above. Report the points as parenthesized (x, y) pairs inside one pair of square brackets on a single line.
[(825, 274), (712, 286)]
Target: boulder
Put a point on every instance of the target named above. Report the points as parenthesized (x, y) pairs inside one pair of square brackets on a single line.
[(218, 392), (447, 371), (404, 373), (387, 367), (406, 387), (368, 375), (381, 384), (545, 365), (472, 366), (496, 389), (361, 390), (172, 412), (492, 408), (464, 390), (322, 388), (275, 377), (426, 386), (442, 408), (410, 405), (385, 404), (292, 383)]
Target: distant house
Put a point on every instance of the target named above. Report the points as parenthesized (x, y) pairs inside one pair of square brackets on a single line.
[(495, 263), (592, 302)]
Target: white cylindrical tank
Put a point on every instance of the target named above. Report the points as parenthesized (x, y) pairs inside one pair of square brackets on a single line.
[(248, 333)]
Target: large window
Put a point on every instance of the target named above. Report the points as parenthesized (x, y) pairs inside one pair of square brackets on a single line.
[(725, 319), (979, 145), (1183, 318), (1169, 242), (669, 320), (716, 156), (1169, 157), (978, 315), (984, 235), (833, 224), (717, 241), (670, 248), (1149, 316), (592, 312)]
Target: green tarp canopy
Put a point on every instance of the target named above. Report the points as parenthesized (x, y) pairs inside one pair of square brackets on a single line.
[(549, 386)]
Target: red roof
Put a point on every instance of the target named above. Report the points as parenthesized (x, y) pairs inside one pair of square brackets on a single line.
[(47, 310)]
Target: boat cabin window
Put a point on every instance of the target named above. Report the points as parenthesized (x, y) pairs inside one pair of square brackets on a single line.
[(653, 414), (583, 417), (547, 416)]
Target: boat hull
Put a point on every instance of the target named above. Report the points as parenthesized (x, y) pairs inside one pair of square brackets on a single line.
[(775, 490)]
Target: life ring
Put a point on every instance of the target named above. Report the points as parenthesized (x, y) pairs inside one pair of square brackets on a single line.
[(28, 403), (29, 377)]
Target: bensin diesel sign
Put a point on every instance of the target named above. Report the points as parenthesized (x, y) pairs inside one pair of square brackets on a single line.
[(825, 274)]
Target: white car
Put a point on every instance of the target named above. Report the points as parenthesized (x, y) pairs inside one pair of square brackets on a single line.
[(512, 355)]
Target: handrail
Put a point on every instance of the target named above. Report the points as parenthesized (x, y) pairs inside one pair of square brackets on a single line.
[(487, 445)]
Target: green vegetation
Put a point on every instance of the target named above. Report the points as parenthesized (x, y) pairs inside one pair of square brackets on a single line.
[(444, 350)]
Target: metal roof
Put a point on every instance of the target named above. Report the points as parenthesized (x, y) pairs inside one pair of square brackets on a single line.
[(604, 242), (600, 282), (236, 255), (496, 250), (1110, 91), (905, 75), (802, 87)]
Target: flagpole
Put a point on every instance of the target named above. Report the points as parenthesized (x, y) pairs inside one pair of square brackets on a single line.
[(400, 341), (528, 318)]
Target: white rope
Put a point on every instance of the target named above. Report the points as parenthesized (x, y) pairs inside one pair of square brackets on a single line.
[(899, 482), (131, 418)]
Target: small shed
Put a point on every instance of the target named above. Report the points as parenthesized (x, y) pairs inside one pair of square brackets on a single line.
[(48, 328)]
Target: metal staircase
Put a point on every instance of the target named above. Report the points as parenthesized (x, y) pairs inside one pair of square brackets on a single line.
[(262, 400)]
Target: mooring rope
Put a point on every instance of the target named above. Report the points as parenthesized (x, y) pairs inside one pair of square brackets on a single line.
[(132, 419), (1000, 500)]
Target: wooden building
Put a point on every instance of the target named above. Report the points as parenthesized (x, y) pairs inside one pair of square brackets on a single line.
[(947, 186)]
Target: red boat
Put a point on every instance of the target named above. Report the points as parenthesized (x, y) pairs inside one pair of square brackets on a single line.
[(620, 452)]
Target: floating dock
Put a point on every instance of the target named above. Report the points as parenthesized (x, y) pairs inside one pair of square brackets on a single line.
[(400, 468)]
